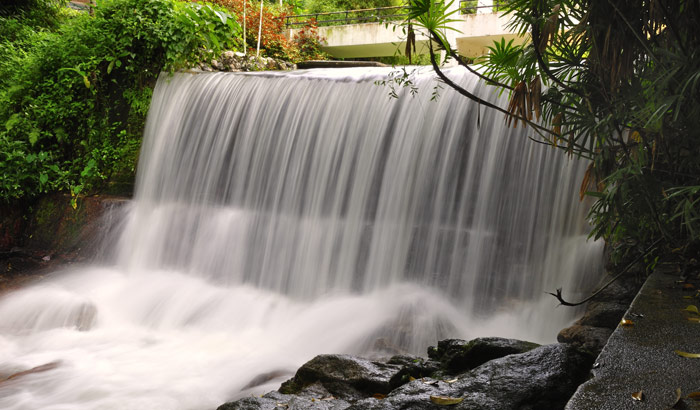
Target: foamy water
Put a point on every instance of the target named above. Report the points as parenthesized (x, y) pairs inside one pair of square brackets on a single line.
[(280, 216)]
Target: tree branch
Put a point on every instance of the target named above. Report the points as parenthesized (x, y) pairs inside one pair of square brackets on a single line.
[(561, 300)]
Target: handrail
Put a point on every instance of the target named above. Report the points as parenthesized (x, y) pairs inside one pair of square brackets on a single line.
[(346, 16), (371, 15)]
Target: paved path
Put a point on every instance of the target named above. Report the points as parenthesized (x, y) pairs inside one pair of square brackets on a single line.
[(641, 357)]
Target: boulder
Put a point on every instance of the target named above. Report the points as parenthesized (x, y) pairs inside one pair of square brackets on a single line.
[(344, 376), (589, 338), (411, 367), (313, 397), (542, 378), (603, 314), (458, 355)]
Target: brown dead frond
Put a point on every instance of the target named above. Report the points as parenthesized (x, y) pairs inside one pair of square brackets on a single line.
[(517, 107), (534, 97), (586, 182)]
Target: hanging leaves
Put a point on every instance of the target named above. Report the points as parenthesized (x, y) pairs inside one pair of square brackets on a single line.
[(586, 181), (410, 42), (549, 29), (518, 104)]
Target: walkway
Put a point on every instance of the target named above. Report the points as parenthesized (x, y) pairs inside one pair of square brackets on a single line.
[(640, 356)]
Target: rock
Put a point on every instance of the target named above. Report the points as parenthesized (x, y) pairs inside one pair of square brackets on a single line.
[(228, 56), (263, 378), (344, 376), (603, 314), (542, 378), (589, 338), (592, 331), (458, 355), (411, 366), (313, 398)]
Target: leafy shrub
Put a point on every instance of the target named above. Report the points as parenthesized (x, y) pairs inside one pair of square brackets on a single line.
[(73, 115), (306, 45)]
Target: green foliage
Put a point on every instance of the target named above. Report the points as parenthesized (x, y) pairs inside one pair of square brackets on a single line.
[(74, 94), (617, 83)]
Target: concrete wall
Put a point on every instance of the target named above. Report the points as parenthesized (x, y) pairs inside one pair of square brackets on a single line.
[(474, 32)]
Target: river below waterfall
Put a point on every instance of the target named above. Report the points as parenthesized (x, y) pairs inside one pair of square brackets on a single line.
[(282, 215)]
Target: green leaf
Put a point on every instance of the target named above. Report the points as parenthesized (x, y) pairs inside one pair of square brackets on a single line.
[(43, 178), (34, 136)]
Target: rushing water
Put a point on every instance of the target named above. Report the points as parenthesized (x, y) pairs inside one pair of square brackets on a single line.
[(279, 216)]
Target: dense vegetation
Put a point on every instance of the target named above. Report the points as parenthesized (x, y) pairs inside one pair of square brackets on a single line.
[(305, 45), (618, 84), (75, 87)]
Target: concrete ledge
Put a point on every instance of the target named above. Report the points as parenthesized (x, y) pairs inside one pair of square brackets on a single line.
[(641, 357)]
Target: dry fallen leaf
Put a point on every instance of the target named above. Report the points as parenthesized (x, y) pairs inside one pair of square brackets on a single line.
[(694, 396), (678, 397), (694, 319), (639, 396), (686, 354), (688, 286), (379, 396), (429, 382), (693, 309), (451, 381), (626, 323), (445, 401)]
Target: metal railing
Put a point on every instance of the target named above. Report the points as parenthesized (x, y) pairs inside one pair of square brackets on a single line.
[(471, 6), (379, 14)]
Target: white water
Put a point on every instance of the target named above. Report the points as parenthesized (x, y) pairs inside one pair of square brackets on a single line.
[(279, 216)]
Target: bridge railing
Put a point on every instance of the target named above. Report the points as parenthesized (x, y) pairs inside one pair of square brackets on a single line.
[(471, 6), (379, 14)]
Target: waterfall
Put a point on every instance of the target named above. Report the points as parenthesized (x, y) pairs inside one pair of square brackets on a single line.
[(282, 215)]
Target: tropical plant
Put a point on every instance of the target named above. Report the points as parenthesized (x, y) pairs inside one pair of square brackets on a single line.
[(617, 83)]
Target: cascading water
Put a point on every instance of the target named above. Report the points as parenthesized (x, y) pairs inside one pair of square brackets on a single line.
[(280, 216)]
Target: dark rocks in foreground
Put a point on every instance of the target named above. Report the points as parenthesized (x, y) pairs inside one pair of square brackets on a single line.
[(485, 373), (591, 332)]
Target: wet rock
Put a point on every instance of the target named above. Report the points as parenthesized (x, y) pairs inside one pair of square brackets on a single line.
[(543, 378), (411, 367), (603, 314), (344, 376), (592, 331), (589, 338), (458, 355), (315, 397)]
